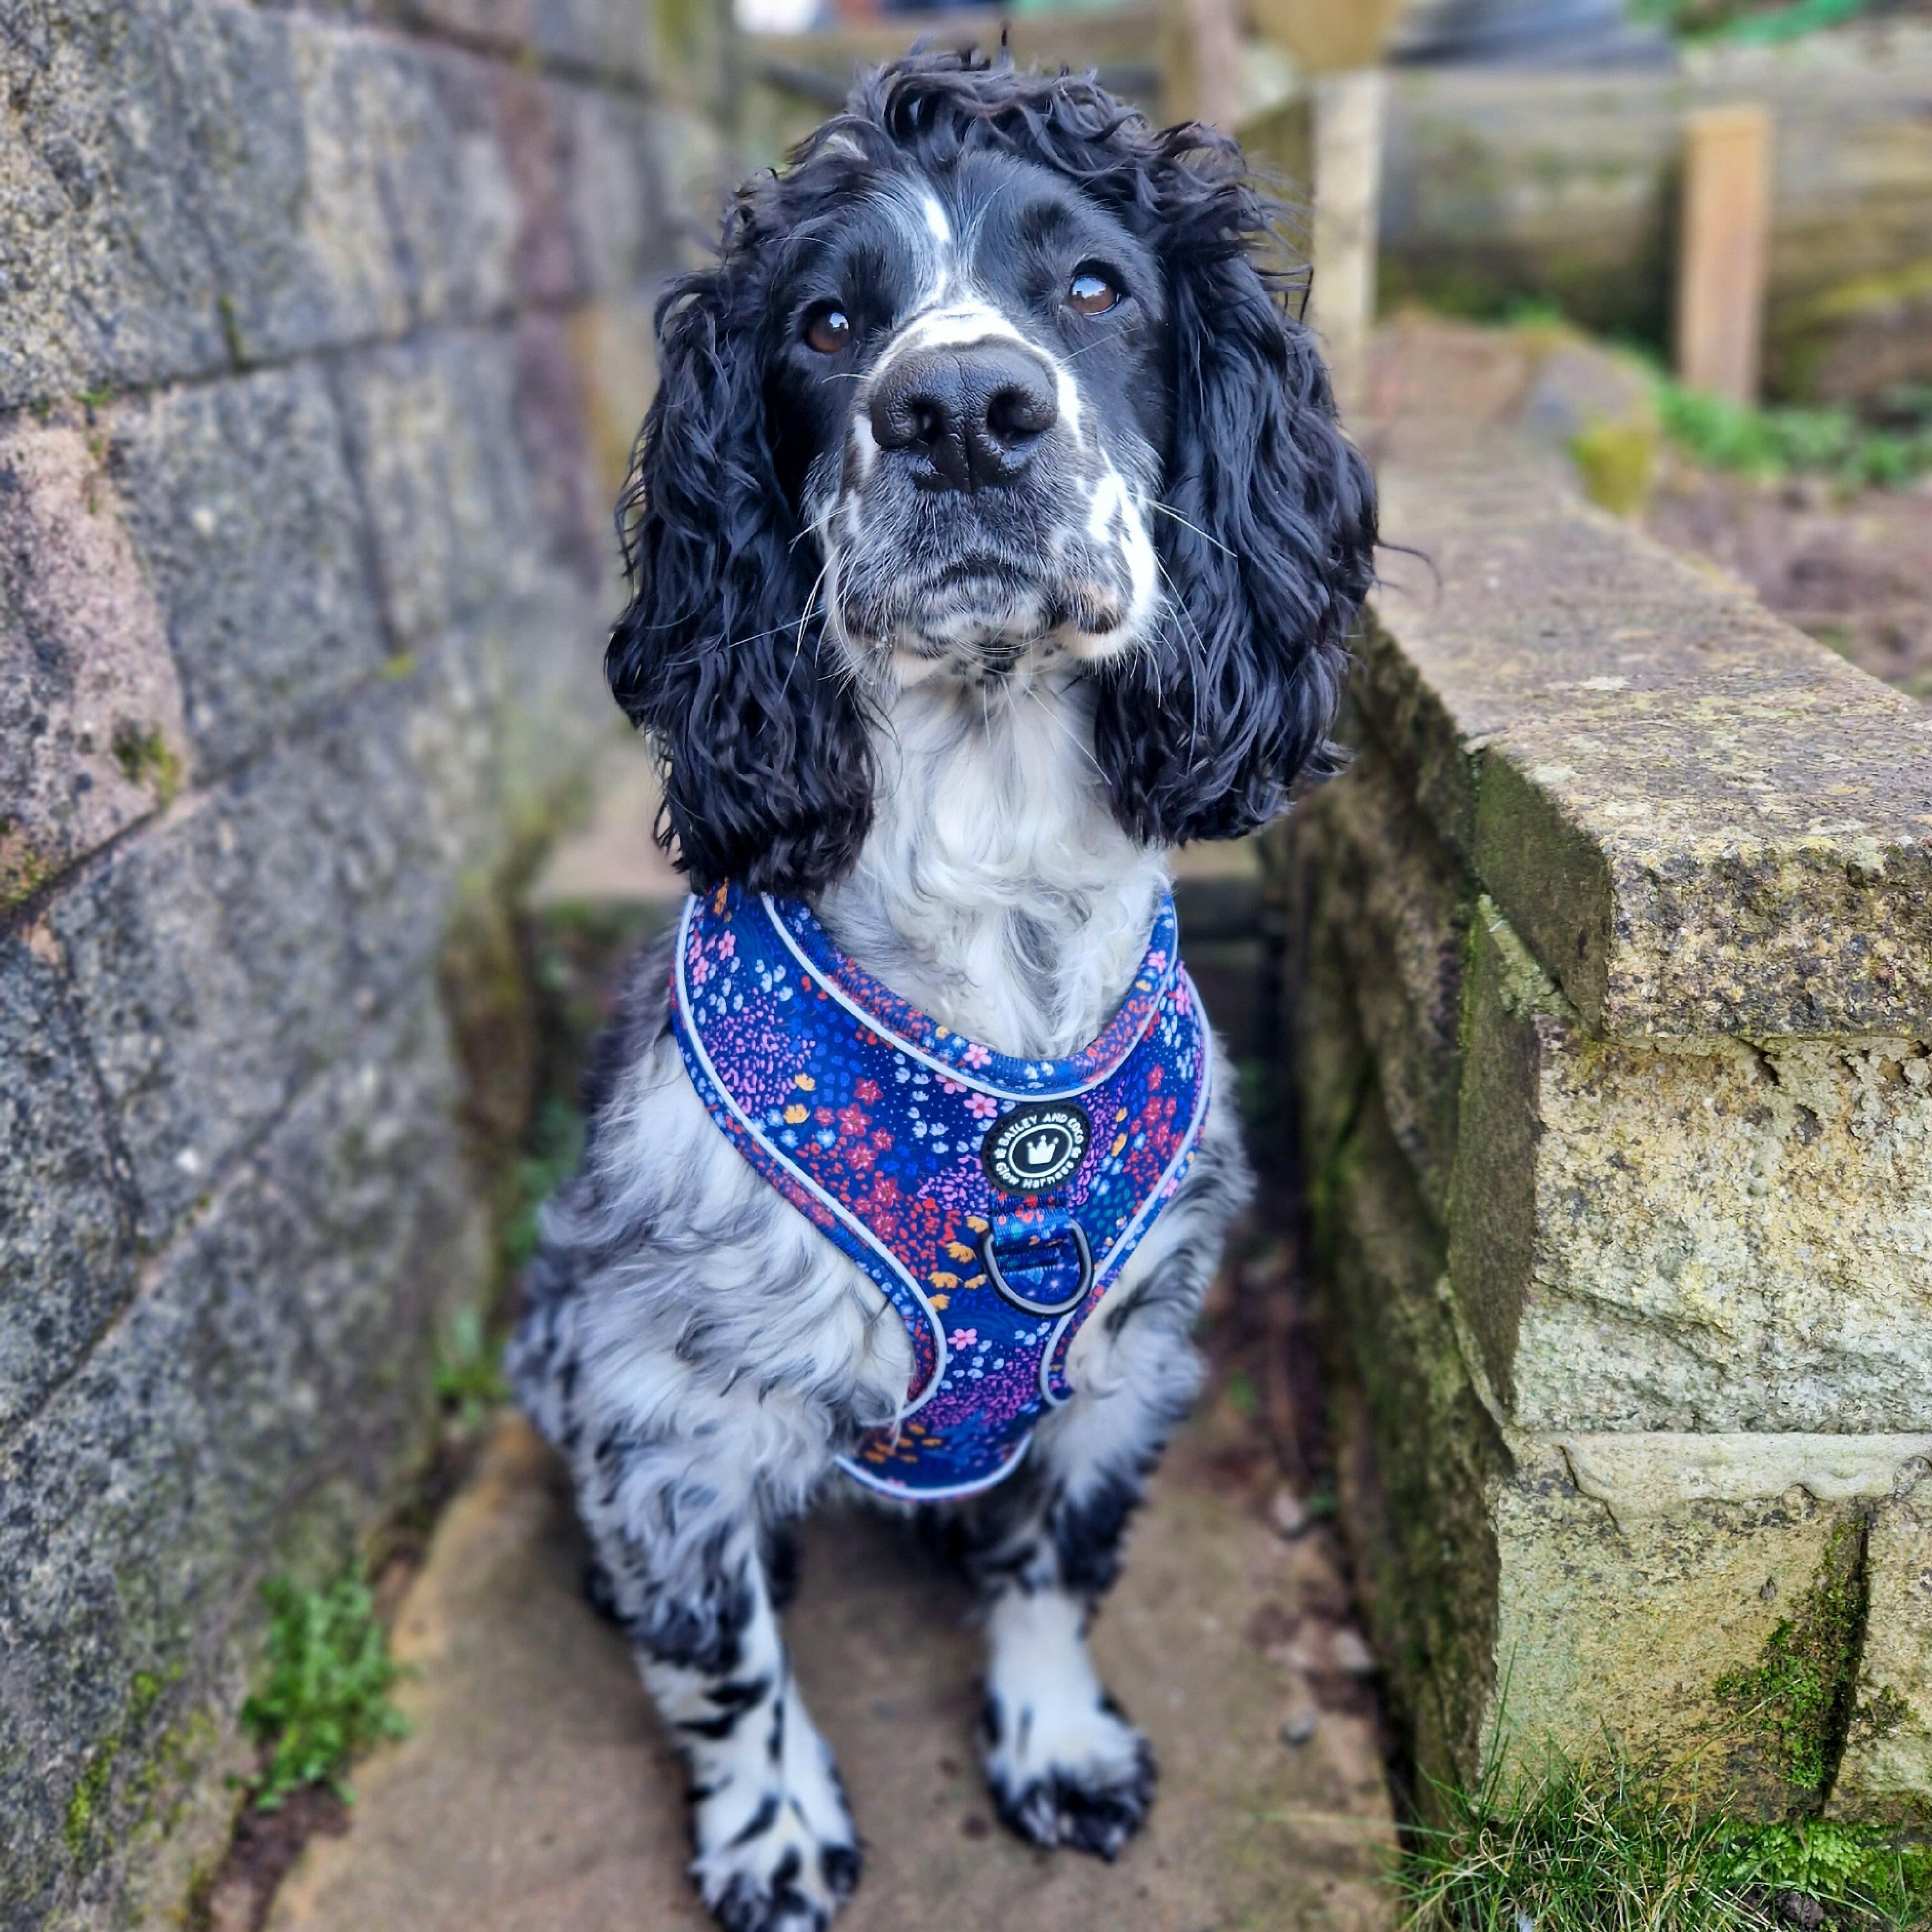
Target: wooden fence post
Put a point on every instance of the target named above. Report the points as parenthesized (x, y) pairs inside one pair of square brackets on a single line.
[(1722, 250), (1349, 111)]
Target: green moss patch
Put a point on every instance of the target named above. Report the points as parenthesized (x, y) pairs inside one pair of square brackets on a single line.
[(94, 1787), (1800, 1695), (145, 759)]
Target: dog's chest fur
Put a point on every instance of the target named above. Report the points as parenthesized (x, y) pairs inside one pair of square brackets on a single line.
[(996, 891)]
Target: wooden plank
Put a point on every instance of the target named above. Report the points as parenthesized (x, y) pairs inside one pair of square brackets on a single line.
[(1348, 114), (1724, 241)]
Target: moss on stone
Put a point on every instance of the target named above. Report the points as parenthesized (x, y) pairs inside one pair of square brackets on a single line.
[(146, 758), (1800, 1696), (96, 1780), (24, 870), (1614, 461)]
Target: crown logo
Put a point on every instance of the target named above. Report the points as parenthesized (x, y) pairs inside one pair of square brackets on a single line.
[(1039, 1151)]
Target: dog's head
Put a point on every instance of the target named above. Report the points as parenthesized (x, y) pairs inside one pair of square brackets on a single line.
[(987, 379)]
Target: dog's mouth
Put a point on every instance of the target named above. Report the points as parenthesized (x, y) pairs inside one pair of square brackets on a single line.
[(983, 612)]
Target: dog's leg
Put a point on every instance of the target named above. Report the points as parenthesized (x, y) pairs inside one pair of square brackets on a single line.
[(1065, 1765), (678, 1544)]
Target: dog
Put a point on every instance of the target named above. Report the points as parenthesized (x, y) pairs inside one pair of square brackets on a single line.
[(991, 534)]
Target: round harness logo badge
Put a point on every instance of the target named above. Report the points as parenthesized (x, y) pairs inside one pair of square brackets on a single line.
[(1036, 1146)]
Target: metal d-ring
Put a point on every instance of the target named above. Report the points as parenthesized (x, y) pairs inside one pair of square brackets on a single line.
[(988, 1244)]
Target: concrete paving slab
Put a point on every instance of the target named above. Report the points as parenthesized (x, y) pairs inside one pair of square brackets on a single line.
[(535, 1794)]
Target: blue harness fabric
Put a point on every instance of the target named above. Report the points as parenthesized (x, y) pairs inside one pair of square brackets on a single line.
[(994, 1200)]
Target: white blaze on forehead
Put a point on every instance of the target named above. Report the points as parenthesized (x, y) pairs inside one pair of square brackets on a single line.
[(940, 228)]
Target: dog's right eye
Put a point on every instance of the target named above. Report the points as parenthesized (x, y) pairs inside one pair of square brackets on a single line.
[(828, 329)]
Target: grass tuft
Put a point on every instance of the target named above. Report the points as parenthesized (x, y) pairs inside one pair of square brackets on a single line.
[(1600, 1850), (327, 1696)]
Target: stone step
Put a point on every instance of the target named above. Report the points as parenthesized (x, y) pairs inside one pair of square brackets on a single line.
[(534, 1791)]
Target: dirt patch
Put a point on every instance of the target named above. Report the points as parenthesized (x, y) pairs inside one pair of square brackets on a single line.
[(1853, 571), (265, 1844)]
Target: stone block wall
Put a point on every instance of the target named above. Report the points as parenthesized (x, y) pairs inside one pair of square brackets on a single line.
[(326, 330), (1614, 1035)]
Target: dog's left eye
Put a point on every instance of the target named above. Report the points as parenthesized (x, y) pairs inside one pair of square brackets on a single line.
[(828, 329), (1091, 293)]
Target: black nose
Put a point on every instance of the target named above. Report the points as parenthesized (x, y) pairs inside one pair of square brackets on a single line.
[(974, 412)]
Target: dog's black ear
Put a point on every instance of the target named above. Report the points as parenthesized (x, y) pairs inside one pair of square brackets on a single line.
[(720, 657), (1267, 539)]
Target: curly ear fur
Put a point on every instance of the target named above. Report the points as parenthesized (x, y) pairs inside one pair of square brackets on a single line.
[(1201, 733), (761, 744)]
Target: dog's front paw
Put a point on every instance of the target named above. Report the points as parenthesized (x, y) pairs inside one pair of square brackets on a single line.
[(777, 1854), (1067, 1772)]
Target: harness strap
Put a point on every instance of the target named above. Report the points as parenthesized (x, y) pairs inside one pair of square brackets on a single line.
[(994, 1200)]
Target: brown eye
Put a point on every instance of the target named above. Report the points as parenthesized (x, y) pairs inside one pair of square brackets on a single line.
[(1091, 293), (828, 331)]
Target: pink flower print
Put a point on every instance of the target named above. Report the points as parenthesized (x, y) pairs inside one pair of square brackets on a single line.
[(852, 1121), (981, 1106), (963, 1338), (728, 944), (946, 1086), (977, 1055), (700, 970), (867, 1090)]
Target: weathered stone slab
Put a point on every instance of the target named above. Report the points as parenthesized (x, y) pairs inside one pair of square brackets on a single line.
[(1632, 1408), (1700, 821), (614, 36), (610, 144), (537, 1790), (1645, 1616), (189, 1452), (1421, 1455), (106, 273), (219, 963), (240, 499), (1887, 1769), (1528, 1588), (433, 428), (361, 185), (67, 1244), (1693, 1235), (91, 731), (1394, 904), (613, 342)]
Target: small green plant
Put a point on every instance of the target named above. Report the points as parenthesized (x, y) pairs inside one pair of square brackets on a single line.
[(1600, 1850), (1751, 22), (468, 1378), (1770, 443), (556, 1141), (145, 758), (327, 1696)]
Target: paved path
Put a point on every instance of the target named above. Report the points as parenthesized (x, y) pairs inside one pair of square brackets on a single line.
[(535, 1795)]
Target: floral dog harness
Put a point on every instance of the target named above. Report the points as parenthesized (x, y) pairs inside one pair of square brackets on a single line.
[(994, 1200)]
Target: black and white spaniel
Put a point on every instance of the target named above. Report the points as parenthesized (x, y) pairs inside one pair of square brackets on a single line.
[(991, 533)]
